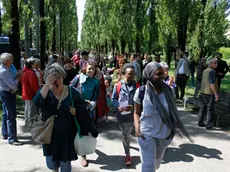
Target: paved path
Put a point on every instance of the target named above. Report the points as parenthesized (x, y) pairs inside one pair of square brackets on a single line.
[(210, 153)]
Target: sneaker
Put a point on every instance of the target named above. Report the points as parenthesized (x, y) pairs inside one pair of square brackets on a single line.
[(16, 143), (128, 160), (4, 137), (106, 120)]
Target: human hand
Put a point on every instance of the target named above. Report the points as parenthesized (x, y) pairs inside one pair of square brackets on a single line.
[(217, 98), (120, 109), (19, 74), (128, 108), (138, 134), (219, 73), (72, 111), (50, 79)]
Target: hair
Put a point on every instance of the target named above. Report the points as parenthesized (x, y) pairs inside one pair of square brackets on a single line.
[(164, 65), (127, 66), (136, 55), (55, 56), (5, 56), (84, 53), (210, 60), (92, 63), (67, 61), (56, 68), (218, 55), (36, 61), (29, 63), (108, 78)]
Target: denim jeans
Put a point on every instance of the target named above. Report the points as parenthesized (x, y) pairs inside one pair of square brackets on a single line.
[(152, 152), (54, 165), (9, 126), (206, 110), (126, 129)]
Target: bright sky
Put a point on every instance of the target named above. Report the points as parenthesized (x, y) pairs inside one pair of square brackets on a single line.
[(80, 12)]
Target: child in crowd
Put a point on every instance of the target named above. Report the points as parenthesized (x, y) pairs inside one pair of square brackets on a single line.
[(109, 90)]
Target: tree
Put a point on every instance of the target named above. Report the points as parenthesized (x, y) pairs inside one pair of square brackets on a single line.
[(14, 32)]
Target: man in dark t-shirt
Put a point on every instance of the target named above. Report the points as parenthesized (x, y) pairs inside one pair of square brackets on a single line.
[(221, 69)]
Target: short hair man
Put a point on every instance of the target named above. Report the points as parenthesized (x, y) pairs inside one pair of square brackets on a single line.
[(8, 88), (182, 74), (208, 94)]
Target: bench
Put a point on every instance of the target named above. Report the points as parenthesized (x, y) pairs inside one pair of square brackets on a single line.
[(222, 108)]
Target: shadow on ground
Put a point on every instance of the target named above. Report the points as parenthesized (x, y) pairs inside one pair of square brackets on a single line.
[(185, 151), (114, 162)]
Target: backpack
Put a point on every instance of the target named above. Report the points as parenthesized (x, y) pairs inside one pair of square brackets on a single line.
[(141, 90), (118, 88)]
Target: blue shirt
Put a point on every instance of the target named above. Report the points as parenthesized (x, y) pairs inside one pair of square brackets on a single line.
[(7, 81), (13, 70)]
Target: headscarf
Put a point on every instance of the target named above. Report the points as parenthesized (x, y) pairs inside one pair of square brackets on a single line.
[(171, 118), (150, 70)]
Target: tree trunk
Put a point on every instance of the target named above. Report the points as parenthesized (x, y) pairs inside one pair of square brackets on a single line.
[(123, 44), (0, 20), (201, 32), (183, 24), (42, 33), (31, 37), (113, 44), (37, 25), (153, 31), (15, 33), (26, 32), (106, 47), (54, 34)]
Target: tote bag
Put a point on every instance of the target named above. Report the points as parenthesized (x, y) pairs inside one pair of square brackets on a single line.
[(41, 131), (83, 145)]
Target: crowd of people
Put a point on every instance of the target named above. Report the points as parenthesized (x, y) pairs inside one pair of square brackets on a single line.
[(138, 90)]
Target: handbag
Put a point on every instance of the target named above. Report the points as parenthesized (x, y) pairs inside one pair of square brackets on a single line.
[(41, 131), (83, 145)]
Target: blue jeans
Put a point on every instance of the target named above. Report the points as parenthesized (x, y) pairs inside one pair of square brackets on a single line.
[(9, 127), (54, 165), (152, 152)]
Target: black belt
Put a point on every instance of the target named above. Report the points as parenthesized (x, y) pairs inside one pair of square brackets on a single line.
[(12, 92)]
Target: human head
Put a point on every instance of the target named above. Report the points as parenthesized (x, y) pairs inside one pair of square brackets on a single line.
[(154, 73), (89, 69), (128, 72), (85, 55), (179, 54), (24, 55), (212, 62), (36, 63), (158, 58), (219, 56), (68, 65), (108, 81), (165, 68), (29, 63), (6, 59), (58, 71), (55, 57), (121, 62), (148, 58), (137, 57)]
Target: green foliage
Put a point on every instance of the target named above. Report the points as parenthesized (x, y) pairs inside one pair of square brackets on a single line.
[(225, 52)]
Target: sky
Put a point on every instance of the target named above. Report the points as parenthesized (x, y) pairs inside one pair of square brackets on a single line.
[(80, 12)]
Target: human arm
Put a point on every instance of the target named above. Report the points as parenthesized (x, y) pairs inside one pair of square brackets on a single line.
[(33, 82), (9, 81), (212, 81)]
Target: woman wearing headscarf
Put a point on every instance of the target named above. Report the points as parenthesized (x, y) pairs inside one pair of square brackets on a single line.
[(156, 117)]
